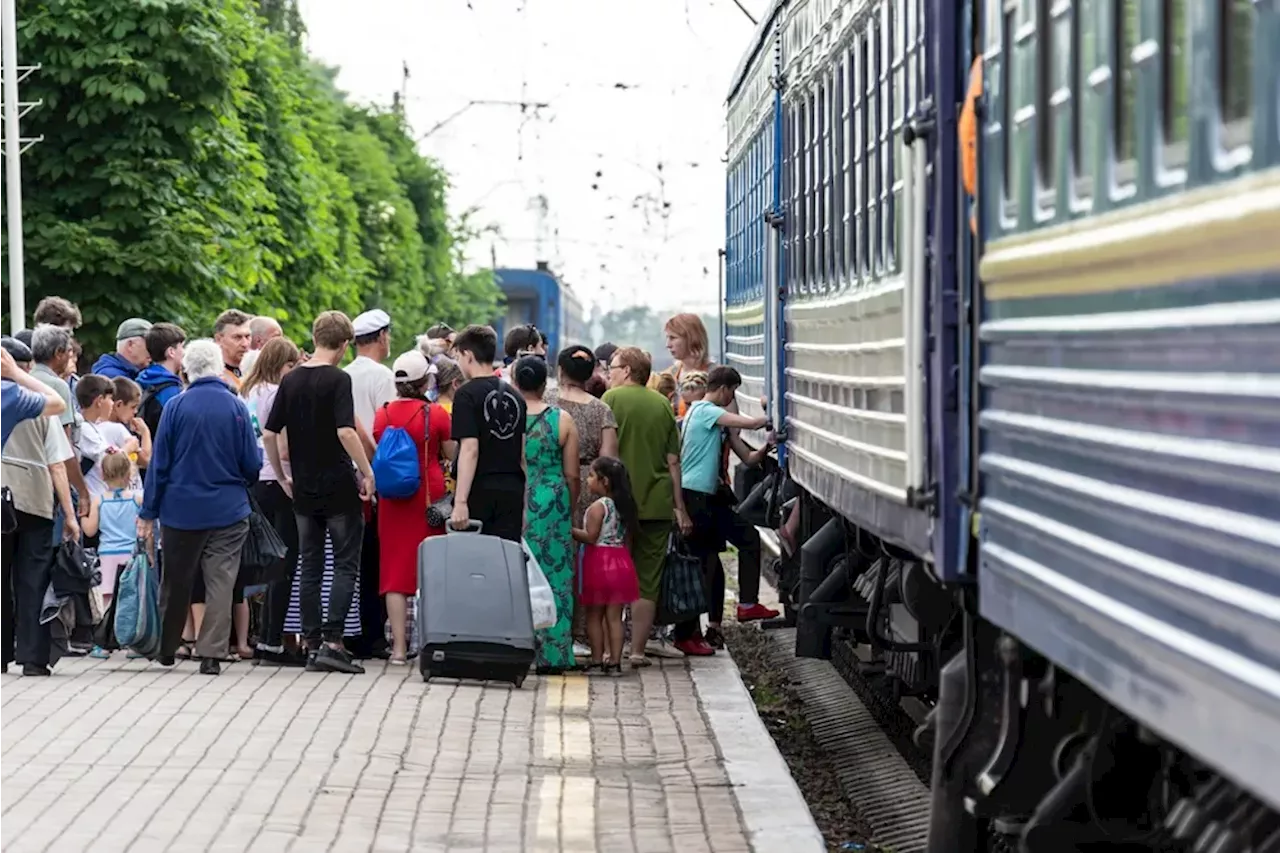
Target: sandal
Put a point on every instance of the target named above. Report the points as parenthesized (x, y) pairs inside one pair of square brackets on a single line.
[(186, 650), (640, 662)]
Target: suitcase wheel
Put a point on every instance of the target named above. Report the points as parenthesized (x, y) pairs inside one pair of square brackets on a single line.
[(519, 681)]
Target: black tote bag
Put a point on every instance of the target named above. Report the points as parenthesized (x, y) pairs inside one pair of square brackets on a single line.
[(262, 557), (683, 595)]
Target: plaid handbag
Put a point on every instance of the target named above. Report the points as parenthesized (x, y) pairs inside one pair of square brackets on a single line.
[(683, 595)]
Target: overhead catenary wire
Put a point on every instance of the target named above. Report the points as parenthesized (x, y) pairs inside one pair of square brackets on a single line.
[(632, 205)]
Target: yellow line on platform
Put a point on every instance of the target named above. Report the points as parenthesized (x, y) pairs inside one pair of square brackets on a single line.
[(577, 691), (566, 804)]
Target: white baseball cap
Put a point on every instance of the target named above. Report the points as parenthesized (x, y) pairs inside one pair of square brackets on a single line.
[(370, 322), (410, 366)]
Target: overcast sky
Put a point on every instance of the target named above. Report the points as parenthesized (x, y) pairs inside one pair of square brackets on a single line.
[(627, 154)]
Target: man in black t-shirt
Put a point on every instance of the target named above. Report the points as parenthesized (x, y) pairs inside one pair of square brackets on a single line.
[(488, 423), (315, 406)]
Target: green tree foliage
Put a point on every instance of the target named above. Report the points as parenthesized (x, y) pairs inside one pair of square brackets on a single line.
[(195, 158)]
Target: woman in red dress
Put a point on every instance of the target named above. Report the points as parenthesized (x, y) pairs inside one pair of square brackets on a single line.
[(402, 524)]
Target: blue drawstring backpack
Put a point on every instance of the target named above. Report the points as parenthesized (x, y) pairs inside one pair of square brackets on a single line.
[(137, 604), (396, 468)]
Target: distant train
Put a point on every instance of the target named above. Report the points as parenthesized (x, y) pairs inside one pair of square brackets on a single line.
[(1037, 459), (538, 296)]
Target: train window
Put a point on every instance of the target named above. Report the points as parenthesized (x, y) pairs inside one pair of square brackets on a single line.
[(840, 168), (1044, 92), (1076, 83), (896, 109), (1124, 99), (789, 192), (812, 262), (819, 247), (797, 192), (828, 243), (794, 214), (796, 195), (1087, 57), (875, 259), (1009, 11), (865, 125), (1235, 68), (1174, 56), (854, 211)]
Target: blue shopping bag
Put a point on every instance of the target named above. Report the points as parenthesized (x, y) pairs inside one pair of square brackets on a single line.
[(137, 604)]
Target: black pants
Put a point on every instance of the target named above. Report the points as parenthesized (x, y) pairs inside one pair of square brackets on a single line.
[(715, 522), (500, 511), (373, 610), (27, 563), (278, 508), (346, 531)]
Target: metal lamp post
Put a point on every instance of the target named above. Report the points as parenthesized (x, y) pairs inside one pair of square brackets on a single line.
[(11, 75)]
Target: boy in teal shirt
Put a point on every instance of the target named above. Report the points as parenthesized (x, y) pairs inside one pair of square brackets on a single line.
[(711, 503)]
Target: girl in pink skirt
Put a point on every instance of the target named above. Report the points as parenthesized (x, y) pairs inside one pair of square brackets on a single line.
[(608, 581)]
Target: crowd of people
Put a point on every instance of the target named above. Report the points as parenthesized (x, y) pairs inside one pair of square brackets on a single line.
[(176, 447)]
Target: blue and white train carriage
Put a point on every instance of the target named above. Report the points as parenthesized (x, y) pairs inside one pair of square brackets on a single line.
[(1037, 463), (828, 296)]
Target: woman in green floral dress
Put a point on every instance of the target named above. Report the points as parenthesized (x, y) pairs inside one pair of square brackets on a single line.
[(552, 483)]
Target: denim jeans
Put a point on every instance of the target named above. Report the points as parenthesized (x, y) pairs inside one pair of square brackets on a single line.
[(346, 530), (58, 516)]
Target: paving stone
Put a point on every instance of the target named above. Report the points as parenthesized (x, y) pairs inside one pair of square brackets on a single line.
[(271, 760)]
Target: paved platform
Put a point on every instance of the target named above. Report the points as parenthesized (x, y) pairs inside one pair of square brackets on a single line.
[(123, 755)]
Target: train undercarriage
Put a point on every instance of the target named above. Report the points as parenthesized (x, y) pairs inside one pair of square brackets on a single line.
[(1025, 757)]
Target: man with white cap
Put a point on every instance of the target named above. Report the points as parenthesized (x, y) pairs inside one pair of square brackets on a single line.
[(372, 382), (373, 385)]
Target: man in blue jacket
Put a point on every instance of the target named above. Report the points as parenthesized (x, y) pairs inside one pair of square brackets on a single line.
[(204, 459), (131, 351)]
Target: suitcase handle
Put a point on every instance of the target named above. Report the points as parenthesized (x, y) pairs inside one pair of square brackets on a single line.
[(473, 526)]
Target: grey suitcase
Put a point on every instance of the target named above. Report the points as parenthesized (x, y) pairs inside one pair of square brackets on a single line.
[(474, 618)]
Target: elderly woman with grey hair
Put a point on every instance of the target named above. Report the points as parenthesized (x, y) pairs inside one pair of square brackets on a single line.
[(204, 460)]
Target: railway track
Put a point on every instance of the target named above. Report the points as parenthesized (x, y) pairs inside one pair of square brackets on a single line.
[(881, 774)]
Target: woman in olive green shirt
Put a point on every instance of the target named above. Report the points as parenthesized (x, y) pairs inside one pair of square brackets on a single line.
[(649, 445)]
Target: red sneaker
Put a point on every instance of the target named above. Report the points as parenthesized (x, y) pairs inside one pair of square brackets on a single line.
[(694, 648), (754, 612)]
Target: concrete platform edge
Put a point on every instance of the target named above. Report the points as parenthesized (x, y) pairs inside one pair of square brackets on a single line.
[(774, 812)]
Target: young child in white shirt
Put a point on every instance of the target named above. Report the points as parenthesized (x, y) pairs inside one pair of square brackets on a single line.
[(96, 396), (123, 424)]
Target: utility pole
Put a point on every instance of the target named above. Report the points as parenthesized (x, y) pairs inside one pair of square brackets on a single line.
[(11, 74)]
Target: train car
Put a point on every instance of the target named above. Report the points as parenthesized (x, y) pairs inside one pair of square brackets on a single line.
[(836, 311), (1128, 427), (573, 320), (1032, 458), (538, 296)]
